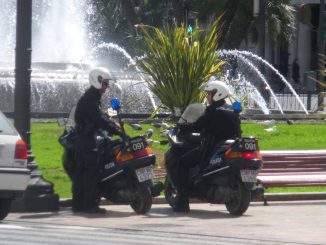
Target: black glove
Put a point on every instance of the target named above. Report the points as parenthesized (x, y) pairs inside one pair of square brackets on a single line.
[(124, 137), (183, 127)]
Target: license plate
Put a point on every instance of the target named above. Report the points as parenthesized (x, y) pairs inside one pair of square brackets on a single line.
[(137, 144), (248, 175), (145, 173), (248, 144)]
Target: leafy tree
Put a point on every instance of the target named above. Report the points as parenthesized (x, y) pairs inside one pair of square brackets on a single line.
[(121, 16), (178, 62), (237, 20), (238, 26), (280, 20)]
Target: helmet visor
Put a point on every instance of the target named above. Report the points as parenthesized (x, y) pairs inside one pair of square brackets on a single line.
[(203, 86)]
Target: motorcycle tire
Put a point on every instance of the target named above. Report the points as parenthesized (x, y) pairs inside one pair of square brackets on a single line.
[(143, 200), (170, 193), (240, 201)]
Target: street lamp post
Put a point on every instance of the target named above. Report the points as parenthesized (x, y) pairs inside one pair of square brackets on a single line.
[(322, 27), (259, 11), (186, 12), (39, 194), (261, 28), (321, 50)]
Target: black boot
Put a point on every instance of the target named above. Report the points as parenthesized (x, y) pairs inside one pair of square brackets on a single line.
[(156, 189), (182, 204)]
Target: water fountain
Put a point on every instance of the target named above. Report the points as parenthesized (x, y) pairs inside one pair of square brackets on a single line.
[(244, 91), (245, 66), (63, 52)]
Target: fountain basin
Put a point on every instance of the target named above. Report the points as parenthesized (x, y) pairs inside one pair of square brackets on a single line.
[(57, 90)]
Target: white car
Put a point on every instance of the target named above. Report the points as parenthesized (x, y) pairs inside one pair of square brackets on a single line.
[(14, 174)]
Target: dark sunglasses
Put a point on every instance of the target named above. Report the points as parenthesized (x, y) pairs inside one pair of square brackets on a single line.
[(105, 82)]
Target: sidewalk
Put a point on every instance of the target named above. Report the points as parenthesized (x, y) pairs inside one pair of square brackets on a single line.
[(270, 197)]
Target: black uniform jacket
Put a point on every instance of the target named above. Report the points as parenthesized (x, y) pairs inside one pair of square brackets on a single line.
[(89, 118), (219, 122)]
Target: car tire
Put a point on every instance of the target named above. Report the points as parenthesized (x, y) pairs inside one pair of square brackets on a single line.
[(4, 207)]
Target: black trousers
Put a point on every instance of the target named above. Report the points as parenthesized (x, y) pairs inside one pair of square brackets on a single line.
[(181, 174), (86, 178), (196, 156)]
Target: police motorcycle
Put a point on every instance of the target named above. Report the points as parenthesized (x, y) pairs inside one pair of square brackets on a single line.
[(228, 176), (128, 163)]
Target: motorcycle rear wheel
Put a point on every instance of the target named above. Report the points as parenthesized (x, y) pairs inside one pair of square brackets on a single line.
[(170, 193), (240, 201), (143, 200)]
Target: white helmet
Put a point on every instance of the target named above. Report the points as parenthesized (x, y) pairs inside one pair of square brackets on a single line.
[(222, 90), (97, 75)]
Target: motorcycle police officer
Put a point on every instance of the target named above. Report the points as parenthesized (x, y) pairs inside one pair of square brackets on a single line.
[(216, 125), (89, 119)]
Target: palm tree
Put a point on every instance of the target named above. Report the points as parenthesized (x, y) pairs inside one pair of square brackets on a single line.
[(178, 62), (229, 11), (239, 25), (280, 18), (121, 16), (280, 21), (178, 6)]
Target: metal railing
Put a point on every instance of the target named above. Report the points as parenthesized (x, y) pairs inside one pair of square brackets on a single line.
[(290, 103)]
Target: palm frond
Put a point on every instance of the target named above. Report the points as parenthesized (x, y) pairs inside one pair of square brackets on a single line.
[(280, 20)]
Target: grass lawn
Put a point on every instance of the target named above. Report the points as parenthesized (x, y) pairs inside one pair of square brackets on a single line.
[(47, 150)]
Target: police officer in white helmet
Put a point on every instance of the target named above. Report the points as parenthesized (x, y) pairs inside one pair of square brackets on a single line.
[(216, 125), (89, 119)]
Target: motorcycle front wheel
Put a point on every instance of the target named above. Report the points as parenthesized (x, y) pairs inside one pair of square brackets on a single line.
[(240, 201), (142, 202), (170, 192)]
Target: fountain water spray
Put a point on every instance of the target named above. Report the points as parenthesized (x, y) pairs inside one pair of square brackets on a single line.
[(240, 86), (60, 35), (62, 31), (131, 62), (256, 57), (254, 68)]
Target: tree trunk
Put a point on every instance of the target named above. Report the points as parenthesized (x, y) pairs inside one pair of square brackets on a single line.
[(129, 9), (226, 19), (178, 6), (240, 25)]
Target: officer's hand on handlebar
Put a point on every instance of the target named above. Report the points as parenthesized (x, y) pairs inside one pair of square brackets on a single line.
[(183, 127), (125, 137), (119, 125)]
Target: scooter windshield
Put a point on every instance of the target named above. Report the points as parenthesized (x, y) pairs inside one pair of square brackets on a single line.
[(71, 118), (192, 113)]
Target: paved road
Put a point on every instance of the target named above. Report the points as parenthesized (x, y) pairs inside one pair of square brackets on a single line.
[(278, 223), (30, 233)]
